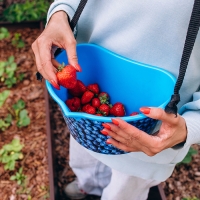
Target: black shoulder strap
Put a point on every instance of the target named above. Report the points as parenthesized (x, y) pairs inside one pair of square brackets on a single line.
[(187, 50), (77, 14)]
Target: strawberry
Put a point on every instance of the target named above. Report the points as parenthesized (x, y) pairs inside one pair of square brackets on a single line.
[(104, 109), (85, 107), (93, 88), (96, 102), (66, 76), (104, 97), (90, 110), (78, 90), (99, 114), (117, 110), (74, 103), (87, 97), (134, 113)]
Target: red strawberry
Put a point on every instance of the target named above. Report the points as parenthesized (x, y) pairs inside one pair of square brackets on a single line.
[(96, 102), (90, 110), (104, 97), (66, 76), (85, 107), (117, 110), (99, 114), (104, 109), (74, 103), (134, 113), (78, 90), (87, 97), (93, 88)]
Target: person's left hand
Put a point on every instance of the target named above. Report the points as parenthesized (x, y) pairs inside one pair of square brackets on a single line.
[(126, 137)]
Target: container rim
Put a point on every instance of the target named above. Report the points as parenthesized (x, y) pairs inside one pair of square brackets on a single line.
[(68, 113)]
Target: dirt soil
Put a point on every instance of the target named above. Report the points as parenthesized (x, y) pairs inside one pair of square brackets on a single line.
[(34, 163)]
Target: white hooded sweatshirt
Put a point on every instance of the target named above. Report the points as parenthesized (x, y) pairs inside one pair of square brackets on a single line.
[(151, 32)]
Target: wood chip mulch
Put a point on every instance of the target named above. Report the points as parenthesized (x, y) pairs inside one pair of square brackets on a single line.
[(34, 163)]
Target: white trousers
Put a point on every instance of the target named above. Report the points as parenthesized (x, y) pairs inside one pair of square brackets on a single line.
[(96, 178)]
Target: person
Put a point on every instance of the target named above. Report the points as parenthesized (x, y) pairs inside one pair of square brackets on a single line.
[(151, 32)]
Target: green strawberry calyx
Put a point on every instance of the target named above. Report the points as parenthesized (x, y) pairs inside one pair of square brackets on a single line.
[(60, 67)]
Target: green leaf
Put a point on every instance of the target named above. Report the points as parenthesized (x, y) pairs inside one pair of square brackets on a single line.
[(4, 30), (5, 159), (19, 182), (4, 33), (3, 96), (8, 119), (10, 69), (11, 59), (21, 77), (20, 170), (13, 177), (188, 157), (10, 82), (24, 119), (13, 146), (8, 147), (11, 165), (2, 151), (14, 156), (15, 142), (2, 68), (3, 125), (20, 44), (19, 105)]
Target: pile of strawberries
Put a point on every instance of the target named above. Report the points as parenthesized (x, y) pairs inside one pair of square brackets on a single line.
[(87, 99)]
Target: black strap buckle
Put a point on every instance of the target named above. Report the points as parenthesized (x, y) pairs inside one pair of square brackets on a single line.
[(39, 77)]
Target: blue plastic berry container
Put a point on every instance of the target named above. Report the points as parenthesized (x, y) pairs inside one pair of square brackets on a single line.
[(127, 81)]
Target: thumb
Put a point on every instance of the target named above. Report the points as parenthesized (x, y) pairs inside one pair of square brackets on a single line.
[(159, 114)]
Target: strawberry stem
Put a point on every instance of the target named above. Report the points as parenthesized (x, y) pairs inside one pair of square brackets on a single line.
[(60, 67)]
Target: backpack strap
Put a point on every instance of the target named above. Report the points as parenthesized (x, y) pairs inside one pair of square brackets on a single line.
[(192, 32)]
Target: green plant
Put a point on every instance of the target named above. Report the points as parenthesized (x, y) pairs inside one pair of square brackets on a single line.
[(10, 153), (3, 96), (21, 114), (6, 122), (4, 33), (19, 177), (17, 41), (28, 11), (192, 198), (188, 157), (7, 72)]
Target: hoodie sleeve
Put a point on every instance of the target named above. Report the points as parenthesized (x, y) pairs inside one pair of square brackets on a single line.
[(191, 113), (69, 6)]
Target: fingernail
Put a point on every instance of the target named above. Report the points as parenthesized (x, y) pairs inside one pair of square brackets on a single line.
[(114, 121), (108, 142), (104, 132), (145, 110), (55, 84), (78, 67), (106, 126)]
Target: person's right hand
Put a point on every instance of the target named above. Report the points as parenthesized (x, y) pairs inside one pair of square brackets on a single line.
[(57, 33)]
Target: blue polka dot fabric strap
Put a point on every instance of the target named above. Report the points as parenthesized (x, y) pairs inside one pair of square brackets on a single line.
[(192, 32)]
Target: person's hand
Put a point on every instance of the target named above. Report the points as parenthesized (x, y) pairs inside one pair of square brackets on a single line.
[(57, 33), (130, 139)]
